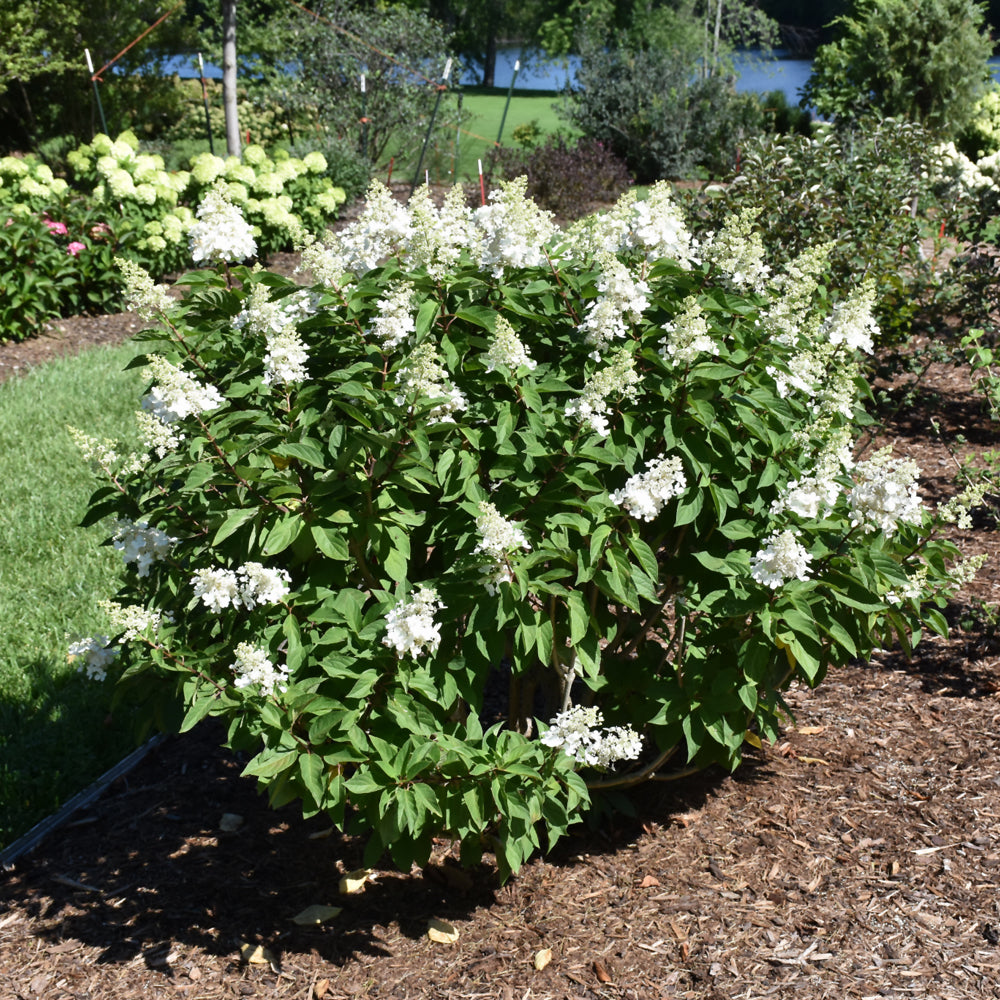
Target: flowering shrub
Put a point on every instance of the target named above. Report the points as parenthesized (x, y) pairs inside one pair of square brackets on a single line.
[(281, 197), (864, 191), (56, 254), (494, 516)]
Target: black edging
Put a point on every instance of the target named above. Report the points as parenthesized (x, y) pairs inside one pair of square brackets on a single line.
[(39, 831)]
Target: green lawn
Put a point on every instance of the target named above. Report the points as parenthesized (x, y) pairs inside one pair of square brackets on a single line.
[(482, 111), (56, 734)]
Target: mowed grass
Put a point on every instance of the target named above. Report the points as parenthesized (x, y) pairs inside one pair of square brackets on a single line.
[(56, 733), (482, 113)]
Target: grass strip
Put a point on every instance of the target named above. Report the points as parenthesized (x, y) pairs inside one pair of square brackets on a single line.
[(56, 730)]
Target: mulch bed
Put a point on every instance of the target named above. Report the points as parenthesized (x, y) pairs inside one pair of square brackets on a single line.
[(857, 857)]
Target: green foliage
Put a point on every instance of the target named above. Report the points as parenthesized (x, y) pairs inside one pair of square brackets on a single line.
[(566, 177), (659, 94), (48, 91), (925, 61), (402, 56), (981, 136), (651, 111), (854, 190), (56, 252), (452, 499)]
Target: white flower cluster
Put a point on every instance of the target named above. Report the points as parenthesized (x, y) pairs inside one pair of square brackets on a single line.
[(253, 666), (885, 493), (395, 323), (156, 436), (954, 167), (132, 620), (654, 225), (285, 361), (851, 323), (506, 349), (423, 375), (658, 226), (958, 510), (687, 335), (382, 228), (177, 394), (103, 455), (498, 538), (251, 585), (140, 544), (265, 316), (438, 236), (221, 233), (783, 558), (142, 295), (578, 733), (591, 406), (410, 625), (645, 493), (790, 314), (622, 298), (512, 230), (738, 251), (95, 656)]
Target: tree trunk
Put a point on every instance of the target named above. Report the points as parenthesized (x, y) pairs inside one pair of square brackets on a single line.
[(490, 61), (229, 77)]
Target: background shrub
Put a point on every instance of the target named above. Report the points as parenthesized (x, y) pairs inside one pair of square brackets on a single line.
[(565, 176), (856, 189), (923, 60)]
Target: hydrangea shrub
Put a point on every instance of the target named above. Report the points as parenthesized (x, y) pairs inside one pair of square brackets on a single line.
[(494, 516)]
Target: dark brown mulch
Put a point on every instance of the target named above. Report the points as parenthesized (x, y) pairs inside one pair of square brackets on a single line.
[(857, 857)]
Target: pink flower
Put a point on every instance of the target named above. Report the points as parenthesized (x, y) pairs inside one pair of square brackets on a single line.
[(74, 248), (56, 228)]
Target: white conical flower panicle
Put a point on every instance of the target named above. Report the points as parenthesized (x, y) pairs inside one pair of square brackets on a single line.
[(221, 234), (782, 558), (410, 626), (507, 350), (644, 494), (499, 538), (177, 394), (578, 733), (885, 493), (253, 666)]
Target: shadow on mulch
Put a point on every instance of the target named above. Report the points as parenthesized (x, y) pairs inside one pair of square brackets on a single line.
[(148, 867)]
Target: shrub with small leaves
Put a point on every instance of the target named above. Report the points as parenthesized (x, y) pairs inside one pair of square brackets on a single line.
[(464, 555), (565, 176)]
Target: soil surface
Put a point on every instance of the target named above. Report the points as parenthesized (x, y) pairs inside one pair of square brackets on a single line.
[(857, 857)]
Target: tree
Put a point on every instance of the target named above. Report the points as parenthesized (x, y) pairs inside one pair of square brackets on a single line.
[(44, 88), (401, 53), (925, 60), (229, 97)]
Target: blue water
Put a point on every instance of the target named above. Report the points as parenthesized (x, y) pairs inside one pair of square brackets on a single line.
[(753, 73)]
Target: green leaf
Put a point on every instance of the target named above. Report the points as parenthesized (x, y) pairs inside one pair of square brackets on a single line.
[(331, 542)]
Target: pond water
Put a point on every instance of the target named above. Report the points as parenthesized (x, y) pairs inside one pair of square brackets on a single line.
[(753, 73)]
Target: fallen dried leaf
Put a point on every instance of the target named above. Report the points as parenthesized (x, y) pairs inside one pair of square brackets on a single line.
[(441, 932), (321, 989), (316, 914), (354, 881), (810, 730), (601, 971), (542, 958), (256, 954), (648, 882)]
